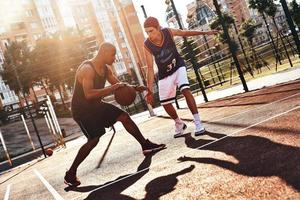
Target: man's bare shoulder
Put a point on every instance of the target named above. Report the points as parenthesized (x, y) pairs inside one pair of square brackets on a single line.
[(85, 70)]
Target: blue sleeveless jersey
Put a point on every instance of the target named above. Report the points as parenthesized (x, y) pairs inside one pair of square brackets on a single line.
[(166, 55)]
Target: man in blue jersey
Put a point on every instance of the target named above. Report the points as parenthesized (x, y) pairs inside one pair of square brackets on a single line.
[(171, 71)]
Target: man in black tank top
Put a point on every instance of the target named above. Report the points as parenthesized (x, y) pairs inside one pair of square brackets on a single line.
[(94, 115), (171, 71)]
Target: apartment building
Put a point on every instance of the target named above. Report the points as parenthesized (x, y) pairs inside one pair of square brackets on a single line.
[(115, 21)]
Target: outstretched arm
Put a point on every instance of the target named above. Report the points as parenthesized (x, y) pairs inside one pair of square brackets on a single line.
[(179, 32)]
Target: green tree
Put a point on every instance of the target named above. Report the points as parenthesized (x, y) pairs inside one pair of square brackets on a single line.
[(295, 12), (264, 7), (18, 59), (185, 52), (247, 31), (229, 21), (57, 59), (271, 12)]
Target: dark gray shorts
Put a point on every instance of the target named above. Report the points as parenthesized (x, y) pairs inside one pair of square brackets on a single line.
[(95, 119)]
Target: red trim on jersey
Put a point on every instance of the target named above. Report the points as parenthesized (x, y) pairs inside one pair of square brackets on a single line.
[(162, 42)]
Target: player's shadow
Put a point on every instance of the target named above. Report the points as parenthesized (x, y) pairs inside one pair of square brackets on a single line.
[(164, 184), (113, 189), (256, 156)]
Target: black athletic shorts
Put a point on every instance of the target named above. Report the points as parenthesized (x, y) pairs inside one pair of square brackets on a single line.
[(94, 120)]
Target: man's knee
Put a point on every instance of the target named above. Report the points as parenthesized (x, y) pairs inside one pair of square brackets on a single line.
[(93, 142), (186, 91)]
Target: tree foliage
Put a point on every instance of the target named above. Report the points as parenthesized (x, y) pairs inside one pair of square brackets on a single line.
[(18, 61), (57, 58), (229, 22), (248, 29)]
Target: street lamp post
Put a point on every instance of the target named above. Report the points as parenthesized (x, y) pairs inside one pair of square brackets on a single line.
[(291, 24), (135, 66), (189, 48)]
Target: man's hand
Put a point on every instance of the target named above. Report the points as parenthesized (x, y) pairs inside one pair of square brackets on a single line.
[(149, 97), (118, 85), (140, 88)]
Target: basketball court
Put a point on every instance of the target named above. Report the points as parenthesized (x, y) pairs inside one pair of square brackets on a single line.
[(251, 151)]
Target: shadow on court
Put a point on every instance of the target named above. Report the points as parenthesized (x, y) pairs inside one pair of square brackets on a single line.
[(165, 184), (257, 156), (111, 190)]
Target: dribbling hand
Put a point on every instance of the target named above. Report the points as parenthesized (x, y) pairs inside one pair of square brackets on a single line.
[(140, 88), (118, 85), (149, 97)]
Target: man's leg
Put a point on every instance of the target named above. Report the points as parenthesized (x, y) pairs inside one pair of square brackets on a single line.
[(190, 100), (180, 126), (167, 92), (131, 127), (70, 177), (83, 152), (169, 108)]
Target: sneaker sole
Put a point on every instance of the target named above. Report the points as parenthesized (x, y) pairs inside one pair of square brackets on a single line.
[(182, 133), (200, 132), (150, 151), (71, 185)]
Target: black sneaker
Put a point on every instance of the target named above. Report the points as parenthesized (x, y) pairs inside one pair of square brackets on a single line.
[(71, 179), (150, 147)]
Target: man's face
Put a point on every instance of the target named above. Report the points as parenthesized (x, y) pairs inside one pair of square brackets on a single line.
[(111, 56), (152, 32)]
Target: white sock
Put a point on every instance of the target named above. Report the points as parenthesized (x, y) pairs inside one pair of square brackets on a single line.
[(178, 121), (197, 118)]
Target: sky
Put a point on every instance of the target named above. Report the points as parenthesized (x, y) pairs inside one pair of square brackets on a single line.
[(157, 8)]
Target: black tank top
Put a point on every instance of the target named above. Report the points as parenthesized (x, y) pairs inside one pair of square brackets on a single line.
[(80, 105)]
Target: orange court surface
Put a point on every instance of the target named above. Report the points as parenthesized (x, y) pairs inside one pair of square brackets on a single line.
[(251, 151)]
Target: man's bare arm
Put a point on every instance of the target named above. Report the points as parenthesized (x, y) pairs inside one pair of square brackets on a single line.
[(111, 77), (179, 32), (150, 69), (88, 74)]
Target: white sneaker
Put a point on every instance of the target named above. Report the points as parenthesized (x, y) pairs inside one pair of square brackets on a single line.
[(179, 129), (199, 129)]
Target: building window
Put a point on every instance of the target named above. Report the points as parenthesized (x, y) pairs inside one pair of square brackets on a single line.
[(17, 26), (29, 13), (2, 30), (33, 25), (2, 96)]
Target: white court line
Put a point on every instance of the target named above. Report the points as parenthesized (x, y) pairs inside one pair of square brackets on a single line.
[(253, 109), (191, 150), (48, 186), (245, 111), (7, 192)]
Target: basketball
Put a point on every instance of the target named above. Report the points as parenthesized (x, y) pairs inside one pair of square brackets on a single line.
[(49, 152), (125, 95)]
